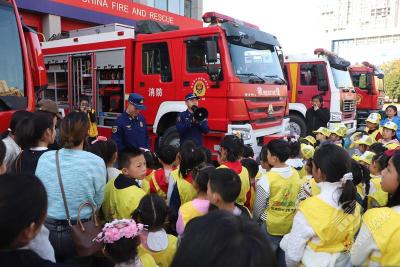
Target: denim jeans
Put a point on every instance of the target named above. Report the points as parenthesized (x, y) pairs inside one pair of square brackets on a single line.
[(274, 241), (61, 240)]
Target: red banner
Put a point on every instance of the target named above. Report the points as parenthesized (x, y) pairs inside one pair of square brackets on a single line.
[(134, 11)]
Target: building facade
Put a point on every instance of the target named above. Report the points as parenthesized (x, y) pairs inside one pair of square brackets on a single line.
[(363, 30), (53, 17)]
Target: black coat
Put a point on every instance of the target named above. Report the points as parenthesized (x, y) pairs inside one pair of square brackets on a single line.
[(316, 118), (24, 258)]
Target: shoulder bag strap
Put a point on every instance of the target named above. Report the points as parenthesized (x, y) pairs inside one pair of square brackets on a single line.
[(62, 187)]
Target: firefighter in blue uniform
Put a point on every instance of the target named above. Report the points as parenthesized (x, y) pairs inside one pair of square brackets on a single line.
[(188, 127), (130, 128)]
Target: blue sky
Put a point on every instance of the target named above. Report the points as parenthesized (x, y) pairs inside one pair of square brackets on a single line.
[(297, 24)]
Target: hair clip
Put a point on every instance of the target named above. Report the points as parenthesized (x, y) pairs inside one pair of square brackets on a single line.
[(117, 229), (99, 138)]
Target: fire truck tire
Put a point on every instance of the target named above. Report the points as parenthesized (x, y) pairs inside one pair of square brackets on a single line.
[(297, 125), (170, 137)]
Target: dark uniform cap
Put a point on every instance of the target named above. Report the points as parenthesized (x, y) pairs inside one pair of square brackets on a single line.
[(137, 100), (48, 106), (191, 96)]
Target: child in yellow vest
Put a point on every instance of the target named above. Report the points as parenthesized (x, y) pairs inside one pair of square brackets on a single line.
[(322, 134), (200, 205), (121, 241), (338, 132), (230, 153), (223, 189), (324, 225), (123, 194), (276, 195), (377, 197), (107, 150), (180, 185), (389, 140), (152, 164), (152, 212), (254, 171), (309, 187), (309, 140), (377, 243), (295, 160), (85, 107), (372, 123), (159, 180)]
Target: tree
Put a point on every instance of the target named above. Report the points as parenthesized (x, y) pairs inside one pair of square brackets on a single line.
[(392, 78)]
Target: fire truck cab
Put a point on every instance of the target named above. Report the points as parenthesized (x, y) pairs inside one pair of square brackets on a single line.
[(368, 81), (232, 66), (22, 70), (323, 74)]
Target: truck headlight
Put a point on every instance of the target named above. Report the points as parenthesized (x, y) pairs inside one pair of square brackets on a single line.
[(336, 116), (242, 133)]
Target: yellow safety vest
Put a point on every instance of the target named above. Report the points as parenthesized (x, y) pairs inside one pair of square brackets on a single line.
[(374, 133), (162, 258), (245, 180), (188, 212), (335, 228), (383, 223), (159, 191), (186, 190), (282, 202), (120, 203), (146, 259), (379, 197), (146, 183), (92, 127)]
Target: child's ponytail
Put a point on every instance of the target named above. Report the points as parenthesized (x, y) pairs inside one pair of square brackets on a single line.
[(348, 197), (335, 163)]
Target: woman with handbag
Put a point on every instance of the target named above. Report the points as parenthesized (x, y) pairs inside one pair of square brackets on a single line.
[(72, 177)]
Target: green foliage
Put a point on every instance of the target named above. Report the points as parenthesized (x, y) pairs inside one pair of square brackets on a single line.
[(392, 78)]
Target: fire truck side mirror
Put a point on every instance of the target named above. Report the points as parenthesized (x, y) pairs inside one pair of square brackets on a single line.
[(212, 51), (321, 77)]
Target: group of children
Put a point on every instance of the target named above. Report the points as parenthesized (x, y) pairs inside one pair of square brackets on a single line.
[(314, 200)]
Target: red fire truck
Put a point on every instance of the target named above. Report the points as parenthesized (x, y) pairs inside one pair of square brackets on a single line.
[(325, 74), (368, 82), (22, 68), (232, 66)]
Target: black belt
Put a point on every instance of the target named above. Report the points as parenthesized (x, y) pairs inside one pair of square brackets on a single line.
[(63, 222)]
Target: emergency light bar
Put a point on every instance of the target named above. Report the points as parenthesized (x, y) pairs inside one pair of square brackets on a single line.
[(215, 18)]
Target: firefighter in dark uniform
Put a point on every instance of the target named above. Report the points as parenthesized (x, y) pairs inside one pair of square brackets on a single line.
[(130, 128), (188, 127)]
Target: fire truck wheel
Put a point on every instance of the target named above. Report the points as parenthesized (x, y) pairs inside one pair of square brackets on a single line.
[(170, 137), (297, 125)]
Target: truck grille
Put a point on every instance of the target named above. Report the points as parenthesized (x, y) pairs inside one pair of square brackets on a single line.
[(349, 105), (265, 112)]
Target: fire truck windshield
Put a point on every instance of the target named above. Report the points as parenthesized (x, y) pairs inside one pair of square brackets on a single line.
[(11, 60), (342, 78), (257, 63)]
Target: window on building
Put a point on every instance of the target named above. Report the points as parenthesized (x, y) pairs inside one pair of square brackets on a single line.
[(161, 4), (174, 6), (188, 8), (155, 60), (308, 74)]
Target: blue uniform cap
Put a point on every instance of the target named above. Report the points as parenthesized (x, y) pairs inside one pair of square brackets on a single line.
[(191, 96), (137, 100)]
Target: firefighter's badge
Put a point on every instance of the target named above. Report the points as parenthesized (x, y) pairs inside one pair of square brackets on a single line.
[(114, 129)]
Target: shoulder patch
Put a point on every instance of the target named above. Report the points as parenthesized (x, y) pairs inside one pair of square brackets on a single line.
[(114, 129)]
